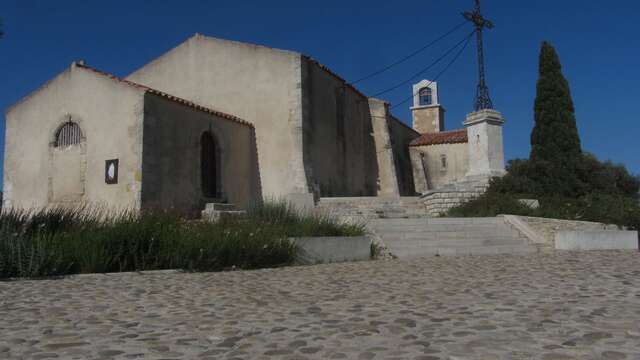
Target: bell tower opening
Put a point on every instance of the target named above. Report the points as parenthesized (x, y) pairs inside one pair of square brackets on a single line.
[(428, 114)]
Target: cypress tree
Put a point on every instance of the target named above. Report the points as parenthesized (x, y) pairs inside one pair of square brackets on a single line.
[(555, 144), (555, 135)]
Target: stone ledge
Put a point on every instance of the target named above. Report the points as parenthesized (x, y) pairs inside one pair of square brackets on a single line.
[(596, 240), (315, 250)]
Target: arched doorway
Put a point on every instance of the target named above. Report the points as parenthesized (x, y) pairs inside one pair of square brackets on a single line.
[(209, 165)]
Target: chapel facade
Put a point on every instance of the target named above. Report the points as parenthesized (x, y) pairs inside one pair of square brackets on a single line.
[(219, 121)]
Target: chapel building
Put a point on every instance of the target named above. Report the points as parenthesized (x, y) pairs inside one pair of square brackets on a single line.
[(219, 121)]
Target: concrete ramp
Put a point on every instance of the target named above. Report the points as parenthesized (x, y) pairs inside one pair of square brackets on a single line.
[(411, 238)]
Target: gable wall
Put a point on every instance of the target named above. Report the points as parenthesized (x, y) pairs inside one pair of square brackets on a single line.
[(171, 158), (110, 117), (258, 84)]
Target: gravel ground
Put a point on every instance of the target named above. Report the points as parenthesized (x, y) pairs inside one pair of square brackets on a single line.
[(544, 306)]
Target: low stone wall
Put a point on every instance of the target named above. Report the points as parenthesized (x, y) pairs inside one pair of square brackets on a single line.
[(546, 229), (320, 250), (596, 240), (440, 201)]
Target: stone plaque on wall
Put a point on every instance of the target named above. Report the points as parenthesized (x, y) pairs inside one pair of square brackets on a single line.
[(111, 171)]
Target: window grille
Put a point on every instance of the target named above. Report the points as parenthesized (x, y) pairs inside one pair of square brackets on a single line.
[(69, 134)]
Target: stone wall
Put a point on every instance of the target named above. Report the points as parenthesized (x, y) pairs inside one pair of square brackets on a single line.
[(440, 201), (339, 151)]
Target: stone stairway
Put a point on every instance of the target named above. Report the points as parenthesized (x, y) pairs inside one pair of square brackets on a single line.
[(216, 211), (363, 208), (411, 238)]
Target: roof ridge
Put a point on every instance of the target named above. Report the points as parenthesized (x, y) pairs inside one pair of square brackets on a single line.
[(449, 131), (167, 96), (457, 136), (303, 55)]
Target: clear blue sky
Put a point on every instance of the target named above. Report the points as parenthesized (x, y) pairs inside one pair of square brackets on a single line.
[(598, 43)]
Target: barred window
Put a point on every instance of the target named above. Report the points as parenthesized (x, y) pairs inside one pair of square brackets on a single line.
[(69, 134)]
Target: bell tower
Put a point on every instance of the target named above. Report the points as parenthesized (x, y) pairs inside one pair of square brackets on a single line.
[(427, 113)]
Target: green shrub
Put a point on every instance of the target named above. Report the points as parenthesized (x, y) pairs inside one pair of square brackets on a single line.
[(491, 204), (88, 240), (296, 223), (610, 209)]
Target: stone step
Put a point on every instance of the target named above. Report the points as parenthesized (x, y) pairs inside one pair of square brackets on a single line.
[(374, 207), (219, 207), (449, 236), (219, 211), (410, 252), (447, 229), (435, 227), (446, 237), (464, 221), (480, 240), (445, 221), (216, 215)]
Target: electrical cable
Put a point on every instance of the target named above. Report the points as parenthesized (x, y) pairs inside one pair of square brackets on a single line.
[(441, 72), (423, 70), (378, 72)]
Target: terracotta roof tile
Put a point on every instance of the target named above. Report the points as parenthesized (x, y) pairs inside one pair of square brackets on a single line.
[(167, 96), (445, 137)]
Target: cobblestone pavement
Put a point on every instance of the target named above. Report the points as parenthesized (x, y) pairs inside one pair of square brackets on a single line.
[(549, 307)]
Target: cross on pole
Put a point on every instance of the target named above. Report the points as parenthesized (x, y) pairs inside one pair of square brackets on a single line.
[(482, 101)]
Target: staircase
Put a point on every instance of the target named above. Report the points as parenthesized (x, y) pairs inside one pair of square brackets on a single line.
[(411, 238), (362, 208), (216, 211)]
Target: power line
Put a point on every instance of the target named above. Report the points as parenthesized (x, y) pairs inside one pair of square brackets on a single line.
[(454, 29), (440, 73), (466, 39)]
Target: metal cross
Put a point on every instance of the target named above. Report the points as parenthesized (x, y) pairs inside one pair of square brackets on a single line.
[(482, 101)]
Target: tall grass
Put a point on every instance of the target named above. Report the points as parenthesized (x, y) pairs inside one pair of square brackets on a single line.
[(88, 240)]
